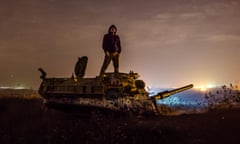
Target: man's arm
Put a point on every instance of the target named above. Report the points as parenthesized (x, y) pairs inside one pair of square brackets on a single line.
[(104, 45), (119, 45)]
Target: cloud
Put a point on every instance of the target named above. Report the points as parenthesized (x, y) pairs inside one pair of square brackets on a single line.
[(191, 15), (224, 37), (221, 8), (163, 16), (53, 33)]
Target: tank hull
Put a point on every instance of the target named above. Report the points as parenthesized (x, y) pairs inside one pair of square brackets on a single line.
[(111, 91)]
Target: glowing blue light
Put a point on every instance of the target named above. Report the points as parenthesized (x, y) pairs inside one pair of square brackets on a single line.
[(187, 98)]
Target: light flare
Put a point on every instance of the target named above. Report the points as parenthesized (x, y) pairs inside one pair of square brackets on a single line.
[(205, 87)]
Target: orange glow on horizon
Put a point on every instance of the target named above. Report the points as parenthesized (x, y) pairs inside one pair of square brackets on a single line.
[(205, 87)]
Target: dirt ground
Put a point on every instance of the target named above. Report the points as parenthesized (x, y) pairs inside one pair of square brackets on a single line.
[(25, 122)]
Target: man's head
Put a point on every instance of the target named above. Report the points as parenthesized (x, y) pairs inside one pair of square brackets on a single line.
[(112, 29)]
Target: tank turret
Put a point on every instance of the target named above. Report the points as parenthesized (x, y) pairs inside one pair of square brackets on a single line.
[(112, 91)]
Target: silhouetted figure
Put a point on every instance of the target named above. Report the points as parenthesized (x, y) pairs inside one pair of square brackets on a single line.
[(112, 49)]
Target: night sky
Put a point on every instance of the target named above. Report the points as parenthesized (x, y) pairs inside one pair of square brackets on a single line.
[(168, 42)]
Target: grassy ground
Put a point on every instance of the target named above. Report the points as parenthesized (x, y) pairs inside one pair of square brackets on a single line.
[(23, 121)]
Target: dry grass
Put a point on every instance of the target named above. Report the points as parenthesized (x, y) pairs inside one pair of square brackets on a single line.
[(23, 121)]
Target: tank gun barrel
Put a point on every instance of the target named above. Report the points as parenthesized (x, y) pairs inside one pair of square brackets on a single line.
[(164, 94)]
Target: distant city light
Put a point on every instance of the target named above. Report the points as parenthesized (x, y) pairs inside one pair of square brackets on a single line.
[(4, 87), (17, 87), (205, 87), (211, 86)]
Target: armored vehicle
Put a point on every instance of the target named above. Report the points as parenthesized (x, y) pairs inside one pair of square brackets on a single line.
[(112, 91)]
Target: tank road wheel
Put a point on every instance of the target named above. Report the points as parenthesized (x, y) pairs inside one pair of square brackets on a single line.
[(112, 94), (140, 84)]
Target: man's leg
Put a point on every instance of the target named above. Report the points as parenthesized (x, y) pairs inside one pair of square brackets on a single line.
[(106, 62), (116, 62)]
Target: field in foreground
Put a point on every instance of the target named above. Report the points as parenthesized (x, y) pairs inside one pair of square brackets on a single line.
[(23, 121)]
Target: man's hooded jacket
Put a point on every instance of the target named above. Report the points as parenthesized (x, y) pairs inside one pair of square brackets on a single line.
[(111, 43)]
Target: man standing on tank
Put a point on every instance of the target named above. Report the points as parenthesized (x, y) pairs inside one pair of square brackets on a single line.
[(112, 49)]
